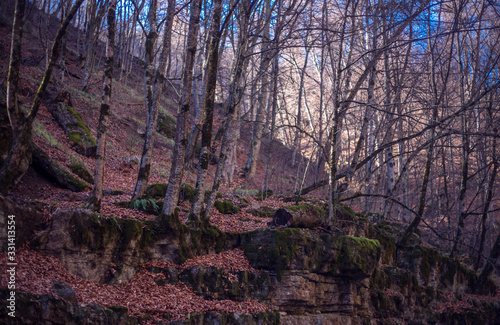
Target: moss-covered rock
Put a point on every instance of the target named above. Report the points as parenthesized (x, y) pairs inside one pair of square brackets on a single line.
[(263, 195), (147, 205), (157, 190), (166, 125), (387, 236), (79, 170), (113, 192), (226, 207), (46, 309), (71, 122), (186, 193), (217, 283), (216, 317), (262, 212), (45, 165), (357, 255)]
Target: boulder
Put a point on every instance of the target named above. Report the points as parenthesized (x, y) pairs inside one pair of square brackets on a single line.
[(27, 218), (64, 291), (55, 172), (166, 125), (301, 216), (71, 122)]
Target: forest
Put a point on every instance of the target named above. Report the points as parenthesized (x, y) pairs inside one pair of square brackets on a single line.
[(249, 161)]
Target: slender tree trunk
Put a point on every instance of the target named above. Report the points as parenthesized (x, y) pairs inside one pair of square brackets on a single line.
[(481, 285), (89, 42), (19, 158), (145, 164), (438, 97), (262, 98), (463, 188), (273, 120), (208, 107), (154, 86), (199, 113), (486, 207), (177, 169), (234, 95), (296, 140), (96, 196)]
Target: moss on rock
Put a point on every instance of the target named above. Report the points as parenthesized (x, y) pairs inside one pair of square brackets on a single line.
[(157, 190), (226, 207), (187, 192), (262, 212), (79, 170), (79, 134), (166, 125), (263, 195), (357, 255), (44, 164)]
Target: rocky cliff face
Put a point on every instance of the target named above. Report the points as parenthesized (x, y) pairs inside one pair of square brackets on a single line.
[(309, 277)]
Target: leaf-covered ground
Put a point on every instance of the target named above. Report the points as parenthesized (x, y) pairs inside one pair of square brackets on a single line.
[(142, 295)]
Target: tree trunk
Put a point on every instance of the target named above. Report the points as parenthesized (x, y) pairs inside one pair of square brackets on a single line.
[(296, 140), (89, 41), (96, 197), (273, 107), (208, 107), (438, 97), (482, 282), (154, 87), (489, 197), (177, 169), (262, 98), (234, 95), (17, 162)]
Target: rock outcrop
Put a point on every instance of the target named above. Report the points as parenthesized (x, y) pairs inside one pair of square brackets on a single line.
[(351, 276), (71, 122), (45, 309), (55, 172), (25, 219)]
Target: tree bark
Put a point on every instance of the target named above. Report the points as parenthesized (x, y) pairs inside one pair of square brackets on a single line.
[(17, 162), (262, 98), (177, 169), (154, 87), (489, 197), (481, 285), (96, 196), (208, 107), (234, 95)]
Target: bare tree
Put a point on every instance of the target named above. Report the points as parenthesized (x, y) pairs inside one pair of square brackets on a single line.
[(96, 196), (19, 158), (235, 92), (155, 79), (208, 107), (177, 169)]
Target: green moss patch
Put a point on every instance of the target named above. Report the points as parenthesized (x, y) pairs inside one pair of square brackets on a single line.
[(79, 170), (272, 250), (186, 193), (166, 125), (263, 195), (44, 164), (79, 134), (226, 207), (358, 256), (262, 212), (157, 190)]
